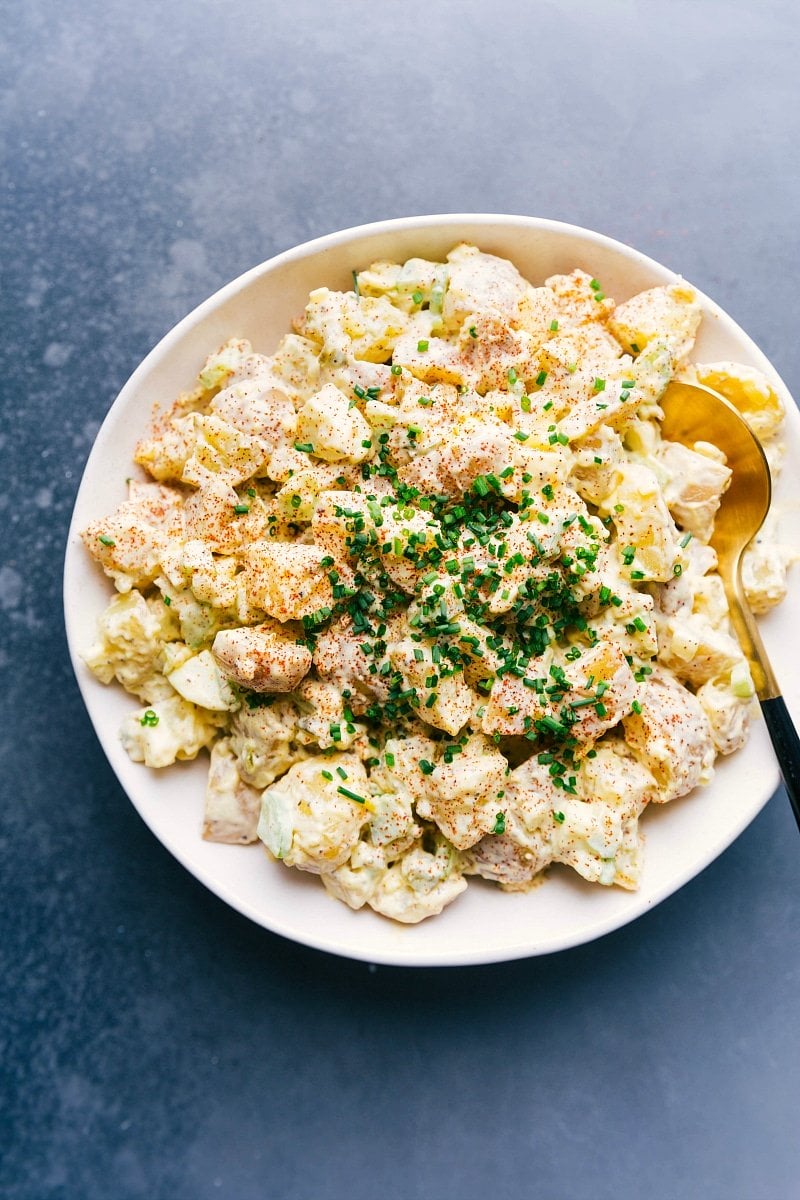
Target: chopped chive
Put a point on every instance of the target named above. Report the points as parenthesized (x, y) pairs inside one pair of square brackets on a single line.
[(241, 508), (422, 345), (106, 541), (375, 512), (304, 447), (343, 791)]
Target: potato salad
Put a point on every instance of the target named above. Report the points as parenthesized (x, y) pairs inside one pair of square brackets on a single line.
[(429, 587)]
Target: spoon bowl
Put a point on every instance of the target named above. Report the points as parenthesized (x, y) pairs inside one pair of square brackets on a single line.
[(693, 413)]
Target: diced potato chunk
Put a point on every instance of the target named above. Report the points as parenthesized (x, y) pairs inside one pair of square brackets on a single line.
[(287, 580), (309, 820), (642, 520), (695, 486), (480, 282), (232, 806), (171, 729), (132, 635), (420, 885), (671, 736), (220, 449), (200, 680), (463, 799), (446, 700), (695, 651), (600, 686), (262, 658), (671, 314), (364, 327), (334, 429)]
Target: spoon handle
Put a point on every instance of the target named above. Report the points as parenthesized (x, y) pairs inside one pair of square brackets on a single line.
[(785, 741), (786, 745)]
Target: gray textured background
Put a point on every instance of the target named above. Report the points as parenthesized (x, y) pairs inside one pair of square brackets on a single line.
[(156, 1044)]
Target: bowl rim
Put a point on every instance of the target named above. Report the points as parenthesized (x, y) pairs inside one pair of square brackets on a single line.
[(386, 228)]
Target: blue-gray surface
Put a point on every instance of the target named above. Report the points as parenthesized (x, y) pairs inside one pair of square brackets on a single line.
[(156, 1044)]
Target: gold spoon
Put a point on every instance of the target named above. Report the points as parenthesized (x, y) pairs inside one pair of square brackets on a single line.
[(692, 414)]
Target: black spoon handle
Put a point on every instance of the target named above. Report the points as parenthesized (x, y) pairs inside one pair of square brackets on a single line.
[(786, 745)]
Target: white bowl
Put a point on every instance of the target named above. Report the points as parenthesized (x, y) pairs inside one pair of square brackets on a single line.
[(485, 924)]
